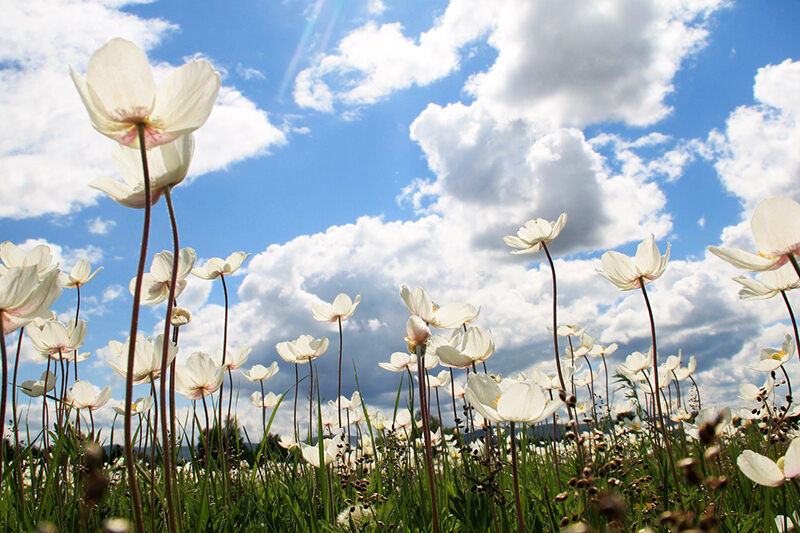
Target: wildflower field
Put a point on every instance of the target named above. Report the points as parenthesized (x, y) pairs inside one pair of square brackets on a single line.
[(592, 445)]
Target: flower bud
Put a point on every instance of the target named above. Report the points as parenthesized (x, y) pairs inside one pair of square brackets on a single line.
[(417, 330)]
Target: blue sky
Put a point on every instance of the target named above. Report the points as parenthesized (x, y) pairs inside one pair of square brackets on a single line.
[(358, 146)]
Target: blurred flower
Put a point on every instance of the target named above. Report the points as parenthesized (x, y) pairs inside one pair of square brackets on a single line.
[(80, 275), (180, 316), (331, 450), (39, 256), (570, 330), (260, 372), (84, 395), (199, 377), (417, 331), (216, 267), (168, 165), (626, 273), (682, 373), (750, 393), (302, 350), (776, 229), (155, 284), (341, 308), (534, 234), (24, 296), (140, 406), (119, 92), (42, 386), (765, 471)]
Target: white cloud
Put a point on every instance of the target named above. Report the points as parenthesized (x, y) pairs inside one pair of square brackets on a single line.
[(100, 226), (757, 155), (50, 127), (558, 63)]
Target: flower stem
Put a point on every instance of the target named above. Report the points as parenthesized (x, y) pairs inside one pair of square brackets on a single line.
[(224, 349), (136, 501), (162, 386), (794, 323), (656, 388), (420, 352), (339, 390), (4, 356), (517, 501)]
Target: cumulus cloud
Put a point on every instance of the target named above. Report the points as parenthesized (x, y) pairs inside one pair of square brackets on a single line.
[(757, 154), (100, 226), (51, 141), (557, 64)]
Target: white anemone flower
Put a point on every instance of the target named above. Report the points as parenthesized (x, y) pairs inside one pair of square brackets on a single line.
[(39, 387), (200, 377), (628, 274), (261, 372), (342, 308), (216, 267), (80, 275), (446, 317), (84, 395), (534, 234), (519, 402), (119, 92), (772, 359), (167, 164), (155, 284), (302, 350), (466, 348), (765, 471), (776, 229), (772, 282)]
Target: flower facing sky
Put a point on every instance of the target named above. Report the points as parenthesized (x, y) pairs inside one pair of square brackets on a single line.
[(341, 308), (776, 229), (119, 92), (155, 284), (518, 402), (302, 350), (216, 267), (534, 234), (630, 273), (446, 317), (80, 275)]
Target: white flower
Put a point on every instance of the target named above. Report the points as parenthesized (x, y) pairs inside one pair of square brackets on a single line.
[(534, 234), (626, 273), (342, 308)]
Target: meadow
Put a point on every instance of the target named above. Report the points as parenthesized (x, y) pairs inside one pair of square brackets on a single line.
[(542, 451)]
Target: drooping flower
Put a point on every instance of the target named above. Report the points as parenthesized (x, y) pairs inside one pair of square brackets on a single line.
[(534, 234), (155, 284), (626, 273), (119, 92), (80, 275), (216, 267), (776, 229), (341, 308), (168, 165), (302, 350), (765, 471)]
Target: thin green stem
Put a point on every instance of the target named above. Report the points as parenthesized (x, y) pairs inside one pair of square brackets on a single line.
[(136, 501), (420, 352), (794, 323)]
